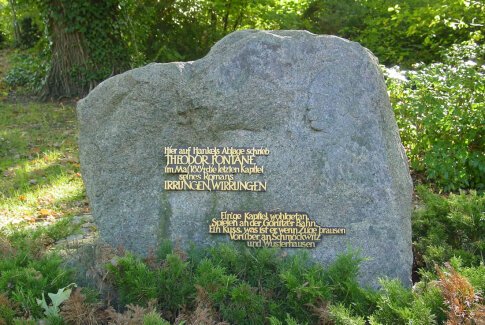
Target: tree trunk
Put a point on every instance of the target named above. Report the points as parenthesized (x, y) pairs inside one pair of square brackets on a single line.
[(69, 63), (16, 27), (226, 17)]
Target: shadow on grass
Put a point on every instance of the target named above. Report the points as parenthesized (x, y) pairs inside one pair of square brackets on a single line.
[(24, 182)]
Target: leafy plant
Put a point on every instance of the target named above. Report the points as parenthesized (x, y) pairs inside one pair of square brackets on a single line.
[(56, 300), (440, 109), (400, 32), (28, 70)]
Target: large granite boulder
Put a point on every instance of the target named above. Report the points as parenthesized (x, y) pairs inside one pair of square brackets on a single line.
[(318, 103)]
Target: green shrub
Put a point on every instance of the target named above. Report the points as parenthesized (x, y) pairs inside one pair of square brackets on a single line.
[(397, 31), (19, 321), (30, 32), (440, 109), (306, 292), (152, 318), (244, 286), (474, 274), (3, 39), (236, 300), (170, 283), (26, 272), (303, 287), (398, 305), (217, 285), (7, 310), (244, 306), (25, 281), (340, 315), (428, 299), (175, 284), (215, 281), (135, 281), (393, 303), (288, 321), (341, 277), (28, 71), (448, 226)]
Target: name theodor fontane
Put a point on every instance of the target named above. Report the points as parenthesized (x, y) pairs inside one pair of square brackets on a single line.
[(214, 169)]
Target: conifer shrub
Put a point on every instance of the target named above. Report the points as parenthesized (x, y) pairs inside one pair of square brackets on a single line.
[(340, 315), (27, 270), (7, 310), (212, 286), (464, 305), (240, 285), (234, 284), (446, 227), (474, 274), (341, 277), (135, 281)]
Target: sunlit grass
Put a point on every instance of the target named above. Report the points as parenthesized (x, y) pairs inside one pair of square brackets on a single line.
[(63, 196), (39, 166)]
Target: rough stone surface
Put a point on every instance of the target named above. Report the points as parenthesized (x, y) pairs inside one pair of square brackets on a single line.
[(319, 103)]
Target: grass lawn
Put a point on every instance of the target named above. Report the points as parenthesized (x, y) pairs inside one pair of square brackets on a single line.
[(39, 165)]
